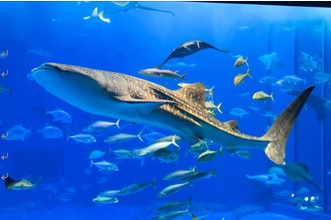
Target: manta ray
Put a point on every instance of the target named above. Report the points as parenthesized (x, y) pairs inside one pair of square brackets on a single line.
[(318, 103), (23, 184), (182, 111), (270, 61), (189, 48)]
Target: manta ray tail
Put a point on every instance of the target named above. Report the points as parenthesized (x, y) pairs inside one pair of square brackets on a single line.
[(280, 129)]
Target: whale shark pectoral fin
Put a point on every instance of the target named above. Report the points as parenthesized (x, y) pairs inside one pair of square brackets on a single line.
[(143, 107)]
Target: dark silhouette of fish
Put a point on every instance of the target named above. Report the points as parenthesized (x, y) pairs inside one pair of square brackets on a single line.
[(190, 48), (182, 112), (126, 6), (318, 103), (299, 172)]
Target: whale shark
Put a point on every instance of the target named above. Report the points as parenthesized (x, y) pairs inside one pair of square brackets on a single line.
[(181, 111)]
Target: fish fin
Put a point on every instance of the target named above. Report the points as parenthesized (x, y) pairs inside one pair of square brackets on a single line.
[(153, 183), (9, 182), (219, 108), (95, 12), (102, 18), (183, 76), (118, 124), (246, 61), (84, 18), (233, 124), (248, 73), (139, 136), (38, 181), (272, 97), (280, 129), (173, 141), (195, 94)]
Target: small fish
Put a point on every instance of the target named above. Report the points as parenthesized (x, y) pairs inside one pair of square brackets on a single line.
[(240, 77), (320, 77), (179, 174), (51, 132), (268, 80), (96, 154), (99, 126), (240, 61), (136, 187), (173, 206), (238, 112), (83, 138), (96, 14), (18, 132), (208, 155), (110, 193), (198, 175), (105, 166), (181, 64), (211, 106), (23, 184), (122, 137), (244, 154), (171, 215), (262, 96), (293, 79), (124, 154), (166, 155), (151, 149), (194, 217), (209, 92), (5, 89), (40, 52), (161, 73), (172, 189), (60, 115), (105, 200)]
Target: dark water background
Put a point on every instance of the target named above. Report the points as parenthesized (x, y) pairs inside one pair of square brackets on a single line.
[(138, 39)]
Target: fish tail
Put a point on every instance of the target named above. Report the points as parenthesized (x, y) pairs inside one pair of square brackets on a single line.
[(248, 73), (139, 136), (246, 61), (153, 183), (173, 141), (118, 124), (213, 173), (219, 108), (38, 181), (272, 97), (280, 129), (91, 163), (183, 76)]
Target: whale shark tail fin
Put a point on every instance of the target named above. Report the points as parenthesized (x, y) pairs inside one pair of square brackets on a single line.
[(281, 128)]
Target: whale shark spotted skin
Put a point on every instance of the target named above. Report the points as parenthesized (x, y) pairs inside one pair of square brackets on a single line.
[(180, 111)]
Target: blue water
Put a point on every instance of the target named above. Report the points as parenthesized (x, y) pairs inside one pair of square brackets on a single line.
[(135, 39)]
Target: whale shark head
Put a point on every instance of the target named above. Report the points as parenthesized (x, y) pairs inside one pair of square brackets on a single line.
[(98, 92)]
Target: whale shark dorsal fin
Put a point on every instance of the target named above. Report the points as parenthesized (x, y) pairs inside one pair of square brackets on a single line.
[(194, 93), (233, 124)]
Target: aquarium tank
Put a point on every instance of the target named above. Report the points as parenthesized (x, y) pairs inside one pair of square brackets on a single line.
[(165, 110)]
